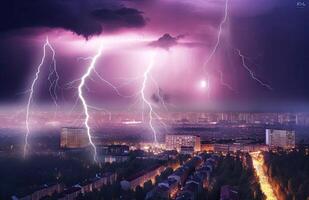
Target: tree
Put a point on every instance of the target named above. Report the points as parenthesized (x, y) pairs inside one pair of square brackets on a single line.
[(148, 186), (139, 193)]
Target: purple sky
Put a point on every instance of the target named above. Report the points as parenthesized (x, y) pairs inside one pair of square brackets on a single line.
[(271, 34)]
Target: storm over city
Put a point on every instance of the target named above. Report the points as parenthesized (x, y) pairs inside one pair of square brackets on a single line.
[(154, 99)]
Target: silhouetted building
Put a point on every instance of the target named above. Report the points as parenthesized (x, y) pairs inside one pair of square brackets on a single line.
[(280, 138), (114, 149), (225, 148), (73, 137), (71, 193), (141, 177), (175, 142), (110, 158), (40, 192), (113, 153), (188, 150)]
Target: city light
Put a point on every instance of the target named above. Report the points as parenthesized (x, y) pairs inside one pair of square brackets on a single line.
[(52, 88), (266, 187), (203, 84)]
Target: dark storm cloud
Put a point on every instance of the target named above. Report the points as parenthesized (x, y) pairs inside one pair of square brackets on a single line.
[(166, 41), (126, 17), (82, 17), (160, 97)]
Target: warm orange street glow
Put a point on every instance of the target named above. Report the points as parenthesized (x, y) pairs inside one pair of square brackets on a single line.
[(266, 187)]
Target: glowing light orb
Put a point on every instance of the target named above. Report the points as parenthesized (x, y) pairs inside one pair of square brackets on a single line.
[(203, 84)]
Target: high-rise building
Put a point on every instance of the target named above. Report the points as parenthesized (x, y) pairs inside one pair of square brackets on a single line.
[(175, 142), (72, 137), (280, 138)]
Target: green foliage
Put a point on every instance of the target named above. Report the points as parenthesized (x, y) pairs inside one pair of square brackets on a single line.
[(148, 186), (230, 171), (134, 166), (168, 171), (290, 171), (39, 170), (140, 193)]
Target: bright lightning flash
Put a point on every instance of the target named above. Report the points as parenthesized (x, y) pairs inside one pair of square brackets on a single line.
[(224, 83), (218, 36), (52, 88), (212, 53), (226, 12), (243, 60), (53, 73), (151, 112), (84, 102), (203, 84)]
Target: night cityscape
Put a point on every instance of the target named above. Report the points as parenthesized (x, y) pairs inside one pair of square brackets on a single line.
[(154, 100)]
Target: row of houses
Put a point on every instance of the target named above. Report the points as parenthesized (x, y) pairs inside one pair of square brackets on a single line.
[(228, 192), (141, 177), (37, 193), (198, 180), (58, 191), (170, 187)]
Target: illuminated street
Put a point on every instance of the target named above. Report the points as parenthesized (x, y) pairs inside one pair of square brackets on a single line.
[(266, 187)]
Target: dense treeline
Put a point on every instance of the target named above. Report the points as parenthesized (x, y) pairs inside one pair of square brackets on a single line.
[(19, 176), (231, 171), (288, 173)]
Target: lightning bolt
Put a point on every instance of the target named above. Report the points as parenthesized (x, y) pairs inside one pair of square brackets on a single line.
[(115, 88), (243, 60), (151, 112), (52, 88), (213, 51), (102, 79), (224, 83), (53, 73), (218, 35), (145, 77), (226, 12), (91, 67), (111, 85)]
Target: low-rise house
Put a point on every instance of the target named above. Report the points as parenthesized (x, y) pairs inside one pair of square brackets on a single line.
[(228, 192), (103, 179), (140, 178), (185, 195), (70, 194), (189, 192), (164, 190), (39, 192), (180, 175), (58, 192), (86, 186)]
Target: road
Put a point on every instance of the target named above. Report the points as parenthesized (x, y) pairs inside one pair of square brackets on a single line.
[(266, 187)]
